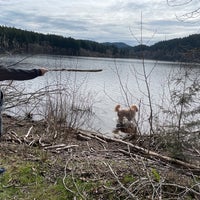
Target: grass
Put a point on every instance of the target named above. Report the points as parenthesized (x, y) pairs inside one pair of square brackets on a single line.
[(27, 180), (39, 179), (36, 179)]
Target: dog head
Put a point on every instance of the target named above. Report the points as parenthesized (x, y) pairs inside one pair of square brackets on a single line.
[(134, 108)]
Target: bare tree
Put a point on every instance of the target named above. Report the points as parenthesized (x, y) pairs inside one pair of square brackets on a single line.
[(189, 14)]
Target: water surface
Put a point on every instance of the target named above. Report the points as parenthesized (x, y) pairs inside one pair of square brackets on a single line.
[(122, 81)]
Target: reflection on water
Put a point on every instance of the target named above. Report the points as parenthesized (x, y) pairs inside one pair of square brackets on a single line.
[(121, 82)]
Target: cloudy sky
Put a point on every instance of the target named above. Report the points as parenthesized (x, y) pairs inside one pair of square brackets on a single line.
[(103, 20)]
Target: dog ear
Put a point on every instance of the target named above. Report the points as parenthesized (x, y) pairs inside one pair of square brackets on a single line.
[(134, 107), (117, 108)]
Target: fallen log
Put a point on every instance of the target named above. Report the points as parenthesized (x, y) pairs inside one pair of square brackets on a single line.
[(90, 135), (156, 155), (145, 151), (83, 137)]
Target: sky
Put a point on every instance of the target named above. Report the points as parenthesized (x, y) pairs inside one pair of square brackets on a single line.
[(104, 20)]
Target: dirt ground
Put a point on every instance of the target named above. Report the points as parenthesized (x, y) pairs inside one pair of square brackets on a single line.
[(128, 171)]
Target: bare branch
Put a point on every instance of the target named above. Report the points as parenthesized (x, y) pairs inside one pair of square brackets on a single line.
[(75, 70), (121, 185), (178, 2)]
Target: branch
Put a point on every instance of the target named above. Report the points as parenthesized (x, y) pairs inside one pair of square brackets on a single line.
[(75, 70), (121, 185), (174, 3), (147, 152)]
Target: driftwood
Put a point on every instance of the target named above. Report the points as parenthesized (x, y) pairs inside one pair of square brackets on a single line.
[(36, 140), (14, 137), (83, 137), (159, 156), (59, 147), (75, 70), (55, 146), (28, 133), (90, 135), (144, 151)]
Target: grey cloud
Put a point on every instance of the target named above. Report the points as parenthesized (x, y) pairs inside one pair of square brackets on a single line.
[(128, 6), (173, 26), (63, 24), (166, 23), (44, 22)]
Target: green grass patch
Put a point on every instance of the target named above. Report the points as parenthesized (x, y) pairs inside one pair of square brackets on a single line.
[(25, 180)]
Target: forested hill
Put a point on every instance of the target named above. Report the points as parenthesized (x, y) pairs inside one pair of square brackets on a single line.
[(180, 49), (21, 41)]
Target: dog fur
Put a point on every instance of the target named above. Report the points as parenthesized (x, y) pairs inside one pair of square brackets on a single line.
[(128, 113)]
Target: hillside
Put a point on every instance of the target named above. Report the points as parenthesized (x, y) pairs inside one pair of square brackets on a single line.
[(179, 49), (119, 45), (20, 41)]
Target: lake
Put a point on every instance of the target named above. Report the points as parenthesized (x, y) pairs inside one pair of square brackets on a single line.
[(122, 81)]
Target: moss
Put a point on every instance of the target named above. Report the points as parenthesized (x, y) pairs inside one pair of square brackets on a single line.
[(155, 174), (128, 178)]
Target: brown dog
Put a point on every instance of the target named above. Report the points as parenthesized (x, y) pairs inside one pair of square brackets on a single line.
[(128, 113)]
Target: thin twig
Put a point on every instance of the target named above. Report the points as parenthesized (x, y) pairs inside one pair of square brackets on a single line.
[(121, 185), (65, 176), (29, 131)]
